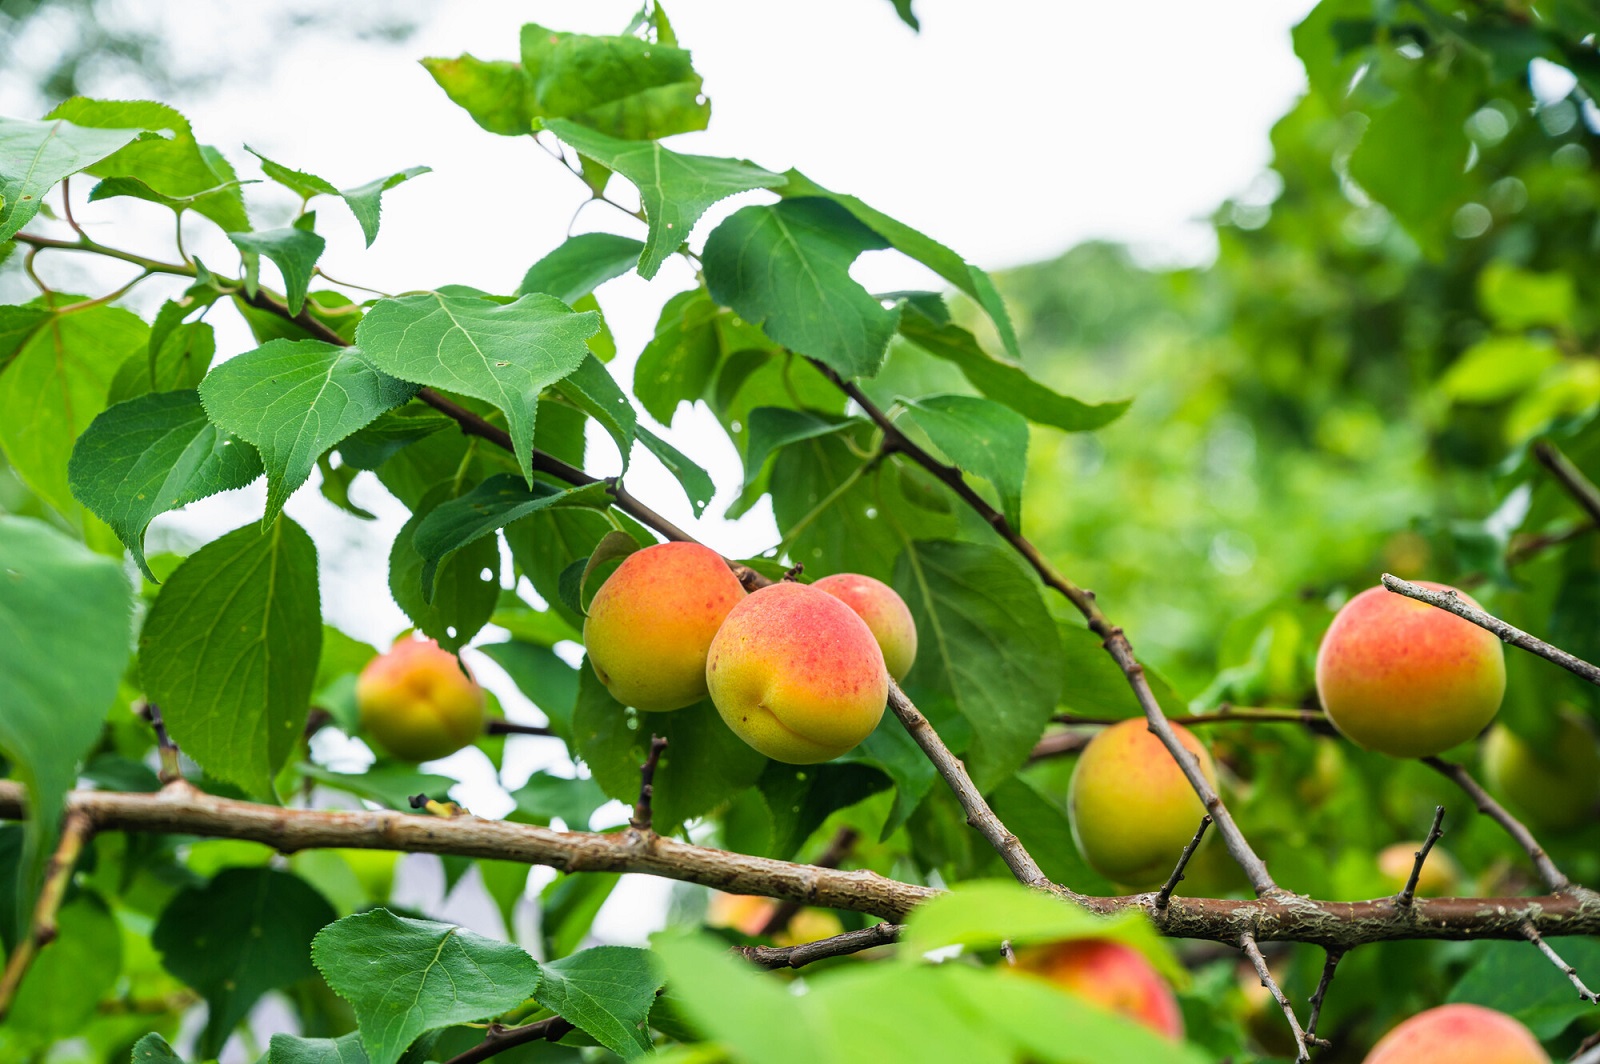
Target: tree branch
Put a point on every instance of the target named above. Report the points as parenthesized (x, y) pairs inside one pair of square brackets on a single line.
[(1551, 876), (1247, 942), (1408, 893), (180, 809), (837, 946), (501, 1038), (1450, 602), (1164, 896), (1115, 641), (76, 830), (832, 857), (1580, 487), (643, 815), (1328, 966), (1584, 993)]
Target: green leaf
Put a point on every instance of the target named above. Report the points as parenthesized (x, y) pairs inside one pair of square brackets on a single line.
[(55, 386), (301, 183), (568, 907), (449, 598), (772, 428), (65, 624), (388, 783), (1497, 368), (153, 1049), (830, 513), (366, 201), (592, 389), (173, 164), (573, 800), (295, 253), (678, 363), (541, 675), (979, 437), (582, 264), (17, 326), (704, 765), (894, 753), (691, 476), (1004, 382), (294, 400), (497, 94), (502, 354), (1515, 978), (244, 933), (177, 358), (989, 651), (113, 187), (932, 254), (623, 86), (65, 984), (289, 1049), (150, 455), (606, 992), (755, 1017), (230, 647), (1523, 299), (35, 155), (674, 189), (404, 977), (488, 507), (1099, 688), (786, 267)]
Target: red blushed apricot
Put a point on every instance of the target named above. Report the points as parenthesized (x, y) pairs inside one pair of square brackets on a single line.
[(417, 702), (1408, 679), (1131, 807), (1459, 1034), (885, 613), (797, 675), (1111, 975), (653, 620)]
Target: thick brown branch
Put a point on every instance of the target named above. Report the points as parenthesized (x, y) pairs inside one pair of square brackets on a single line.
[(979, 815), (179, 809), (76, 830), (837, 946), (1115, 641), (1408, 892), (1247, 942), (1453, 603), (1551, 876)]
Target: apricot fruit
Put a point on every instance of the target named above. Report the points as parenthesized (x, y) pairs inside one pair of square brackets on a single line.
[(1557, 788), (1131, 807), (886, 615), (1459, 1034), (748, 914), (797, 675), (1408, 679), (1111, 975), (418, 701), (652, 621), (1440, 876)]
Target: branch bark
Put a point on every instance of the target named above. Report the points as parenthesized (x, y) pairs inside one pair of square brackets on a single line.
[(809, 952)]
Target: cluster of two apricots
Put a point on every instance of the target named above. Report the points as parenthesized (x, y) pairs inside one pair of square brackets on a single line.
[(799, 672)]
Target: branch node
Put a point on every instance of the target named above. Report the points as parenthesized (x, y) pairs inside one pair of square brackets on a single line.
[(1409, 891)]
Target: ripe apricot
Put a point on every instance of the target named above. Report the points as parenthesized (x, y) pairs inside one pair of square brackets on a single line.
[(1112, 975), (886, 615), (1459, 1034), (417, 701)]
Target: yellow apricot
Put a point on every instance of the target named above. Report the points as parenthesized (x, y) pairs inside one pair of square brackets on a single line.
[(1459, 1034), (886, 615), (418, 701)]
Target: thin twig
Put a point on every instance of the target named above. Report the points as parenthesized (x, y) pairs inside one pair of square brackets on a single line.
[(501, 1038), (1060, 744), (1588, 1051), (170, 770), (642, 813), (838, 849), (1332, 962), (1225, 714), (1580, 487), (954, 772), (1584, 993), (1409, 891), (76, 829), (1165, 894), (83, 243), (1247, 942), (1451, 602), (837, 946), (1552, 877), (66, 207), (1115, 640), (499, 726)]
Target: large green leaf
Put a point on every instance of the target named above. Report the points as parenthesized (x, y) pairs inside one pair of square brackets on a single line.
[(987, 649), (244, 933), (404, 977), (786, 266), (294, 400), (624, 86), (582, 264), (1005, 382), (732, 1003), (290, 1049), (449, 598), (152, 454), (173, 164), (35, 155), (177, 358), (678, 363), (229, 651), (592, 389), (496, 93), (293, 250), (772, 428), (487, 508), (674, 189), (503, 354), (932, 254), (65, 624), (831, 515), (982, 438), (57, 382), (606, 992)]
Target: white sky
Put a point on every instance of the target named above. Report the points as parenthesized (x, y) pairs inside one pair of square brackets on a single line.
[(1009, 130)]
